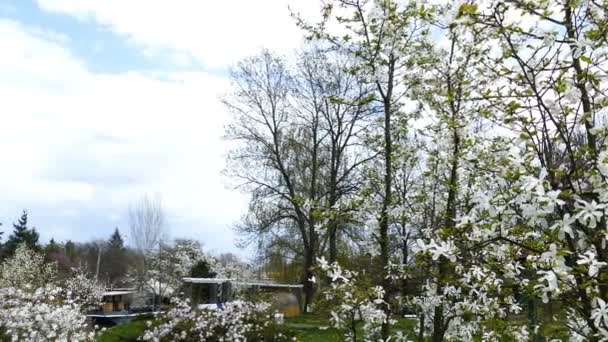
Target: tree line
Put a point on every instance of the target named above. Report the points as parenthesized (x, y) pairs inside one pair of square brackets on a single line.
[(152, 262), (107, 260)]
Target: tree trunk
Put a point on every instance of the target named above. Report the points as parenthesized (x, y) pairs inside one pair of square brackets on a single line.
[(308, 285), (404, 260), (384, 223), (438, 317), (333, 241)]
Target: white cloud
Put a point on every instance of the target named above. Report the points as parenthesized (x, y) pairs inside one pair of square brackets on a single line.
[(78, 141), (216, 33)]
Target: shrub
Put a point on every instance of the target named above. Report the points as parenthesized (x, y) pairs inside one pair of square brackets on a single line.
[(237, 321)]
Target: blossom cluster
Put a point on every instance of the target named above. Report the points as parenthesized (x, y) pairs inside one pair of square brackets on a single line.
[(36, 306), (235, 321), (42, 315), (353, 306)]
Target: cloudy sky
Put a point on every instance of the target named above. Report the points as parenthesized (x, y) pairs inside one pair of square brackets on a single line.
[(106, 100)]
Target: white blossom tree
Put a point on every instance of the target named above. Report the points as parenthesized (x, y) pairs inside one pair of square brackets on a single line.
[(36, 306)]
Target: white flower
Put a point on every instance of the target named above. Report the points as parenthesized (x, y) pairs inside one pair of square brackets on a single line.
[(589, 258), (336, 318), (443, 248), (564, 227), (550, 286), (599, 315), (555, 260), (589, 212), (323, 263), (515, 308)]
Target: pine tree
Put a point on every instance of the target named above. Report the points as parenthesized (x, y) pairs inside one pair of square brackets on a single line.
[(114, 264), (116, 240), (22, 234)]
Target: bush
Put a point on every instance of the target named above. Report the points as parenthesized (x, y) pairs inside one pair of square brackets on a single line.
[(237, 321)]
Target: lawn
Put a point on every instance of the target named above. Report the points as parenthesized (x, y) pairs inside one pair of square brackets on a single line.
[(311, 327), (308, 328), (308, 331), (124, 332)]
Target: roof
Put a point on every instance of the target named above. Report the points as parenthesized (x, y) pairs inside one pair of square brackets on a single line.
[(116, 293), (235, 282), (207, 280), (269, 284)]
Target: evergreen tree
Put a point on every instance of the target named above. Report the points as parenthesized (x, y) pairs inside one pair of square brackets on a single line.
[(116, 240), (114, 265), (22, 234)]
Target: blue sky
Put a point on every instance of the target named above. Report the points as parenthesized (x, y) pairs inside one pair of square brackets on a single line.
[(107, 100), (98, 46)]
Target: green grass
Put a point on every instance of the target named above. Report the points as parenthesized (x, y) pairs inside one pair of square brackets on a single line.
[(314, 335), (308, 319), (406, 326), (310, 334), (318, 331), (308, 331), (128, 332)]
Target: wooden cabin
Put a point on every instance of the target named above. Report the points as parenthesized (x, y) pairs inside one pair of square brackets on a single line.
[(116, 301)]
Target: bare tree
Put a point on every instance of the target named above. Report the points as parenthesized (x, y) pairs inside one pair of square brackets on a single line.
[(297, 125), (342, 106), (147, 222), (268, 161)]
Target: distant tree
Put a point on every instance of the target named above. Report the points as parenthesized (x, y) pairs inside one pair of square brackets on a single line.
[(115, 259), (22, 235), (116, 240), (55, 252), (70, 250), (147, 223), (52, 247)]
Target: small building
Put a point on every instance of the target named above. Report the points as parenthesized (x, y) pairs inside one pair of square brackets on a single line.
[(116, 301), (115, 308), (208, 292)]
